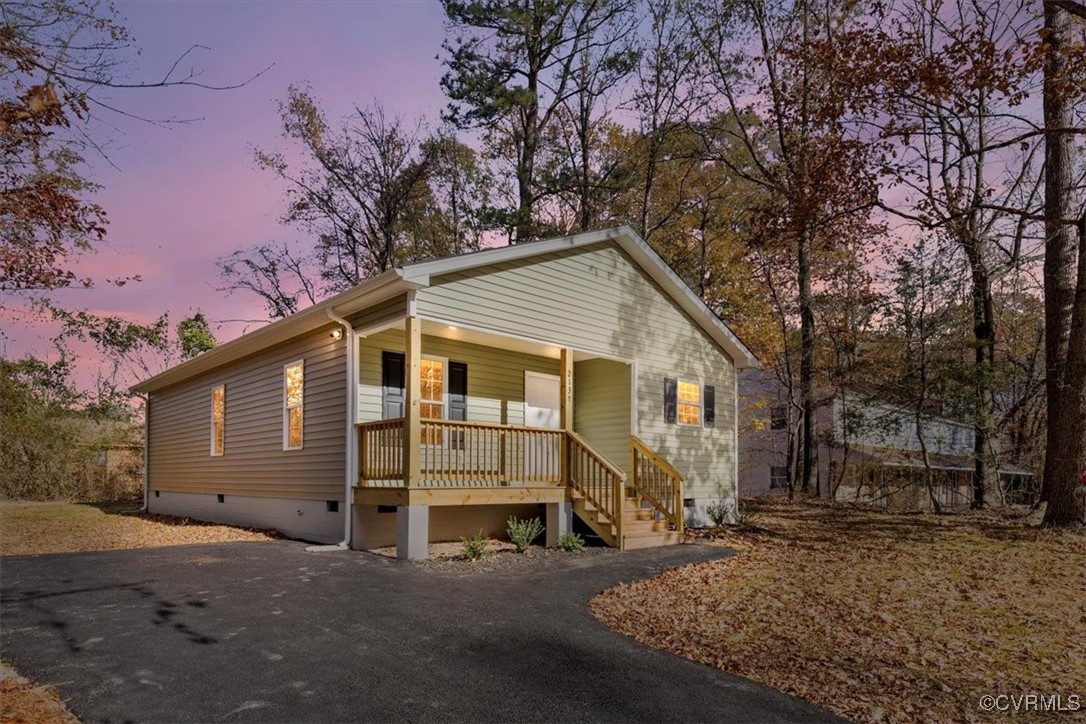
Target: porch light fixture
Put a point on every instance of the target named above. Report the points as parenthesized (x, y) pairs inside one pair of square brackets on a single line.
[(336, 334)]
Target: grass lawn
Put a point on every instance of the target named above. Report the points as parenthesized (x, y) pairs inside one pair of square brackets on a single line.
[(877, 616), (31, 528)]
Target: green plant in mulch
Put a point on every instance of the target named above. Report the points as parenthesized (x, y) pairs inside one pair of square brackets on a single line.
[(523, 532), (474, 547), (570, 542)]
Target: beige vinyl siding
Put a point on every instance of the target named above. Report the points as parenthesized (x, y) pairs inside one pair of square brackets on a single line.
[(595, 299), (601, 407), (253, 461), (495, 376), (386, 311)]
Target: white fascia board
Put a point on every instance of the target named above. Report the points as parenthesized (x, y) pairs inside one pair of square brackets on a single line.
[(357, 298)]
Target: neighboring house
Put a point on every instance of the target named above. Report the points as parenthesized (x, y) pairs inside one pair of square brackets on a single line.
[(868, 450), (574, 375)]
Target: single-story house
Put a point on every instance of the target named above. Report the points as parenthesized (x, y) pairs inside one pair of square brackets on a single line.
[(576, 375)]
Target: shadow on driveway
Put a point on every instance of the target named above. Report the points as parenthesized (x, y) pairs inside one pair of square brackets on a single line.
[(270, 632)]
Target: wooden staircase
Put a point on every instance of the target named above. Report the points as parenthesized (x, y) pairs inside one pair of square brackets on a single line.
[(641, 526), (642, 510)]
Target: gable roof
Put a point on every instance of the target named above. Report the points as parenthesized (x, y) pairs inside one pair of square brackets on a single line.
[(417, 276)]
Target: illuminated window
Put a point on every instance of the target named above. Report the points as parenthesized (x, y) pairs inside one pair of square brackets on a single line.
[(293, 396), (218, 419), (689, 408), (432, 389)]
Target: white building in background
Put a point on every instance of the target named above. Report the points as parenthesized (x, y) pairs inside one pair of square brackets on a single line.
[(868, 451)]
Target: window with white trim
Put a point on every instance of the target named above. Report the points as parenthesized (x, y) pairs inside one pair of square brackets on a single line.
[(432, 395), (218, 420), (688, 411), (293, 399)]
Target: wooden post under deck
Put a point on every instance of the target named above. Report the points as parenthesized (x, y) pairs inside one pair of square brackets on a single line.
[(566, 409), (412, 408)]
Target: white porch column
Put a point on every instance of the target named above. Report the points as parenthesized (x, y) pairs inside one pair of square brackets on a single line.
[(413, 532), (559, 521)]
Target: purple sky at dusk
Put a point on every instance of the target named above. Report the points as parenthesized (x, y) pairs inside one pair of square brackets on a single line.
[(185, 195)]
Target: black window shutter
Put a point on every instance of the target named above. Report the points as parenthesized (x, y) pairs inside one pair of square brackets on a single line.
[(710, 406), (392, 379), (671, 399), (458, 391)]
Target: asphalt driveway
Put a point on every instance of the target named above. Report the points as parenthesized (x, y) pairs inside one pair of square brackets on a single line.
[(271, 632)]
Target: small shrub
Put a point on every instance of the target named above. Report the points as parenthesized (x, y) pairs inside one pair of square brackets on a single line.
[(718, 513), (523, 532), (570, 542), (473, 548), (744, 516)]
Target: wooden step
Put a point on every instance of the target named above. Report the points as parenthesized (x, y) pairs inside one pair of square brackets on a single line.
[(591, 516), (650, 540), (635, 527)]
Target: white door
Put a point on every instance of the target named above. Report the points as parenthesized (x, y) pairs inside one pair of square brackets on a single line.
[(542, 400), (542, 408)]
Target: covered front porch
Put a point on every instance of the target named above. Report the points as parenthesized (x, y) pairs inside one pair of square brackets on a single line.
[(413, 462)]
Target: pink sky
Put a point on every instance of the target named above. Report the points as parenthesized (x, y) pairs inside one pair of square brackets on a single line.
[(186, 195)]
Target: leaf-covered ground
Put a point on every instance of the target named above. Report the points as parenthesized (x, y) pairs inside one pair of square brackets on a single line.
[(877, 616), (31, 528), (24, 702)]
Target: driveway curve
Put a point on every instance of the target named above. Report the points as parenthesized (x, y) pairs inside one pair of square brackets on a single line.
[(271, 632)]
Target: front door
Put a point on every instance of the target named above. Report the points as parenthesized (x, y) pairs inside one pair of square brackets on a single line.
[(542, 400), (542, 408)]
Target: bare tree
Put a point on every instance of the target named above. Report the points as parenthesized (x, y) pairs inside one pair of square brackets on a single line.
[(282, 277)]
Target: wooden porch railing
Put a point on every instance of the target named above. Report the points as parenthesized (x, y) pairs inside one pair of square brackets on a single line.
[(467, 454), (602, 484), (455, 453), (655, 480), (380, 450), (461, 454)]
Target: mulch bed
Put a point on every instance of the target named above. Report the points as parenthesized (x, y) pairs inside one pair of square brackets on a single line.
[(501, 556)]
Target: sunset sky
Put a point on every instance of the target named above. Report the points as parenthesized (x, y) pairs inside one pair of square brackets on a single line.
[(182, 196)]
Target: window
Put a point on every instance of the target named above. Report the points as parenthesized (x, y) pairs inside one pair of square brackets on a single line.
[(218, 420), (778, 417), (432, 394), (778, 478), (443, 391), (689, 403), (689, 407), (432, 388), (293, 397)]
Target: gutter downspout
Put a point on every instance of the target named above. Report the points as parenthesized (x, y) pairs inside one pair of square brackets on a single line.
[(146, 451), (352, 440)]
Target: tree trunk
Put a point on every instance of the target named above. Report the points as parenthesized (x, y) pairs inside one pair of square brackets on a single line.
[(806, 363), (984, 357), (1065, 293)]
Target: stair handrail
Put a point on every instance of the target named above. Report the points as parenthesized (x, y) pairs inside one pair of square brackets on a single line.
[(612, 507), (666, 495)]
